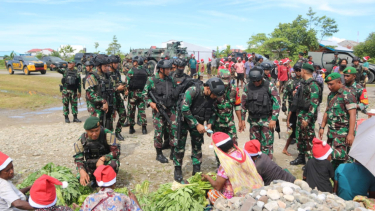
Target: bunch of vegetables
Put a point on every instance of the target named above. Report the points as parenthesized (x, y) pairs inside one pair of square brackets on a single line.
[(65, 196)]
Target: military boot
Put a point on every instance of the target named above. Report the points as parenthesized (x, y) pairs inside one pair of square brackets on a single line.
[(171, 155), (76, 119), (299, 160), (131, 129), (160, 157), (166, 145), (144, 129), (138, 122), (119, 136), (126, 124), (67, 119), (178, 174), (196, 169)]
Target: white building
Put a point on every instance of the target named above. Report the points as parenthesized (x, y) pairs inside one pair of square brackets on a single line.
[(200, 52), (35, 51), (77, 49)]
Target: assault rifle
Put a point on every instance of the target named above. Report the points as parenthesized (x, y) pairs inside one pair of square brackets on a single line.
[(160, 107), (107, 94)]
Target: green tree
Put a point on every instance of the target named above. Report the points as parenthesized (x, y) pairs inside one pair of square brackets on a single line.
[(256, 42), (66, 50), (277, 46), (39, 55), (114, 46), (55, 54), (10, 57), (366, 48), (96, 45)]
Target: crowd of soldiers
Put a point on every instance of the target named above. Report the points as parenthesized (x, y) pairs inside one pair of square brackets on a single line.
[(182, 104)]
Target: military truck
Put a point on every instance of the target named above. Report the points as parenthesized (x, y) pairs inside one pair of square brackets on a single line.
[(153, 55)]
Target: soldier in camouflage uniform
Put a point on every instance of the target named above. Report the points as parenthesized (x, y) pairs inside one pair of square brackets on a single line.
[(350, 74), (290, 86), (222, 120), (161, 86), (261, 99), (135, 82), (120, 89), (97, 146), (71, 83), (127, 64), (340, 116), (196, 109), (336, 60), (301, 58), (305, 104), (361, 72), (267, 71)]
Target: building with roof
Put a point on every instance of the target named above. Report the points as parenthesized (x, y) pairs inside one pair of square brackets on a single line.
[(326, 45), (350, 44), (35, 51), (200, 52)]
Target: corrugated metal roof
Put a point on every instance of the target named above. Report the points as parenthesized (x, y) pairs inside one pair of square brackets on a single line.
[(338, 47)]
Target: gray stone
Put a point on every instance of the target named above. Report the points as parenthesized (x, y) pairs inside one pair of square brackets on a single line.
[(288, 191), (281, 204), (236, 202), (309, 205), (272, 205), (256, 208), (291, 185), (279, 188), (360, 209), (315, 191), (248, 204), (280, 209), (349, 205), (289, 197), (221, 204), (305, 192), (322, 197), (273, 194), (260, 204), (263, 192), (313, 195)]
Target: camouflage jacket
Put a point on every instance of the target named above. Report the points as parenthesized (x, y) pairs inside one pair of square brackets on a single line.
[(311, 95), (116, 77), (79, 159), (361, 73), (187, 102), (127, 66), (357, 90), (63, 72), (289, 88), (150, 85), (338, 105), (223, 107), (273, 92)]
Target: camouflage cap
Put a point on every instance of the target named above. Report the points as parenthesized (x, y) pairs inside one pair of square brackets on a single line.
[(224, 75), (91, 123), (72, 61), (332, 76), (307, 66), (350, 70)]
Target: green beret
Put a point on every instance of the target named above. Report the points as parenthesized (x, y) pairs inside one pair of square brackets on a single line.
[(332, 76), (72, 61), (308, 66), (91, 123), (301, 53), (350, 70)]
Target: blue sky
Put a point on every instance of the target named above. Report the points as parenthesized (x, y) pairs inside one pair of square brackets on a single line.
[(27, 24)]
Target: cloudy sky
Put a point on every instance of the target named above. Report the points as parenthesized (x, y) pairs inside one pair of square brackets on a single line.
[(27, 24)]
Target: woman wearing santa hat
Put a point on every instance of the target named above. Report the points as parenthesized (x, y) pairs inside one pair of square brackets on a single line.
[(236, 175), (11, 199)]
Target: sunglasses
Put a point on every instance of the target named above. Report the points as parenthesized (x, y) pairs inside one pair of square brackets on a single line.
[(257, 81), (297, 70)]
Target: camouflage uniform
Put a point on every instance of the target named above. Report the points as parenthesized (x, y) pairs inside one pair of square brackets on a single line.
[(70, 95), (307, 111), (189, 124), (357, 90), (361, 75), (259, 126), (120, 106), (290, 86), (222, 120), (127, 66), (338, 105), (160, 123), (112, 158)]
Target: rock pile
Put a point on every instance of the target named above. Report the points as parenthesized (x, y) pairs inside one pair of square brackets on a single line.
[(286, 196)]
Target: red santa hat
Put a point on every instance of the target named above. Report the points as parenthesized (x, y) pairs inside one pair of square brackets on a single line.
[(226, 63), (238, 58), (285, 61), (4, 160), (275, 61), (202, 60), (229, 57), (222, 61), (243, 61), (252, 148), (219, 139), (321, 150), (192, 55), (105, 176), (209, 59), (43, 192), (198, 61), (249, 55), (324, 70), (366, 58)]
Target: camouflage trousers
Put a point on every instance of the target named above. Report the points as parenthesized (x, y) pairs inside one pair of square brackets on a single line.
[(161, 126), (340, 151), (69, 96), (135, 100), (114, 163), (96, 111), (230, 129), (304, 137), (121, 111), (259, 130), (196, 146)]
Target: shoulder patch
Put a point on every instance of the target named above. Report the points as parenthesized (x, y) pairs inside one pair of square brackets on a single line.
[(78, 147), (111, 139)]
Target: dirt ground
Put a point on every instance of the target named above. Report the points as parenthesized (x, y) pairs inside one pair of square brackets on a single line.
[(34, 138)]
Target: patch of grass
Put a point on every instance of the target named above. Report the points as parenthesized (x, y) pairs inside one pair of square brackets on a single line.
[(28, 92)]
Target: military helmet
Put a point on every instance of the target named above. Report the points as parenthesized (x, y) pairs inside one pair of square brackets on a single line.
[(89, 63), (356, 58), (139, 59), (115, 59), (180, 62), (101, 59), (164, 64), (266, 66), (216, 86), (256, 74), (297, 66)]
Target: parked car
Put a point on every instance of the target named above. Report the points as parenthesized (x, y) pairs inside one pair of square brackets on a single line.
[(27, 64), (321, 58), (78, 57), (58, 62)]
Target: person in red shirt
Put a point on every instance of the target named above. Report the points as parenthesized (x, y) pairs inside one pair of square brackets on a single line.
[(221, 66), (282, 74)]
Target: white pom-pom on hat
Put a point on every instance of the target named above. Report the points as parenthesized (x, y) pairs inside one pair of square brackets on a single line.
[(324, 143), (65, 184), (101, 183)]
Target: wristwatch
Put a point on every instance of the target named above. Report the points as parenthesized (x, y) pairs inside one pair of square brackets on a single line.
[(321, 127)]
